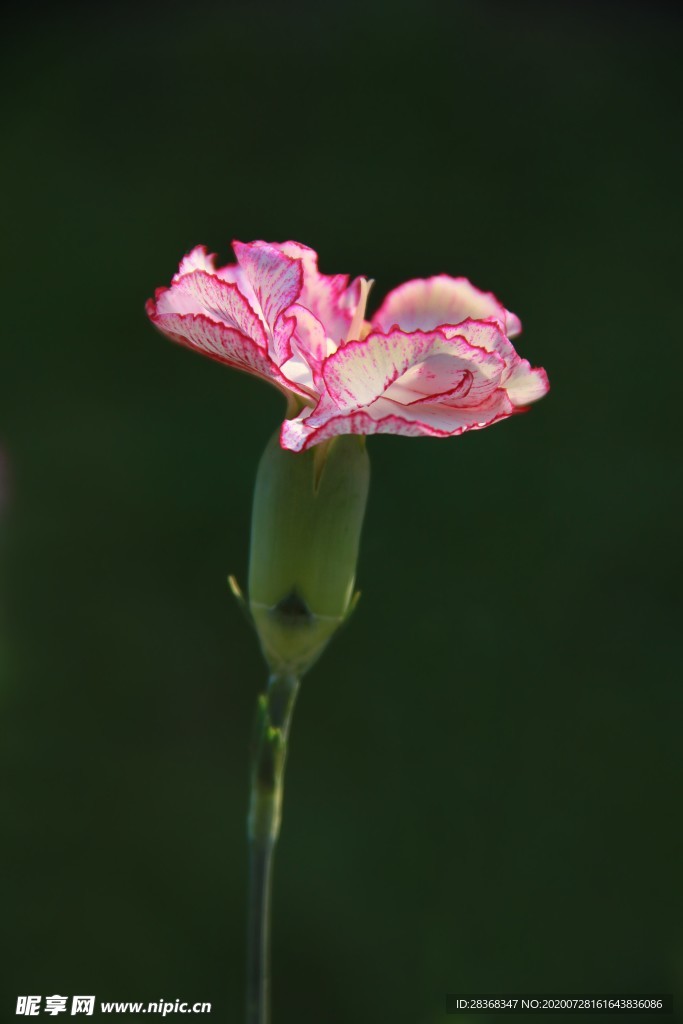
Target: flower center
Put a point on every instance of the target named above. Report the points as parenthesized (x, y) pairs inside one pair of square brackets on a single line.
[(355, 328)]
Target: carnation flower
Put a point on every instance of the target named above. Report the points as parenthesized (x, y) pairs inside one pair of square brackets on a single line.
[(435, 360)]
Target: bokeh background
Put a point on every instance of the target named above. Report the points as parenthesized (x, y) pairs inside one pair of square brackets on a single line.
[(483, 792)]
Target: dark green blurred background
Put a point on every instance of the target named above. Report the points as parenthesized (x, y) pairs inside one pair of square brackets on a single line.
[(484, 789)]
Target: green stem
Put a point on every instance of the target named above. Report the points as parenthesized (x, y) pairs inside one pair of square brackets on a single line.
[(274, 716)]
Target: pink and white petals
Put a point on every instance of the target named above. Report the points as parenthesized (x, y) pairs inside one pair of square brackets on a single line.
[(277, 280), (198, 258), (329, 298), (435, 360), (427, 383), (218, 313), (202, 292), (526, 384), (310, 346), (313, 427), (426, 303), (522, 383), (307, 430), (405, 367), (273, 298), (223, 343)]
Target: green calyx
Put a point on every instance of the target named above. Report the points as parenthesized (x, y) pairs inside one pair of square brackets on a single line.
[(306, 525)]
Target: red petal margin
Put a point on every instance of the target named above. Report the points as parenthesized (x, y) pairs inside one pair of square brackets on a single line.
[(295, 437)]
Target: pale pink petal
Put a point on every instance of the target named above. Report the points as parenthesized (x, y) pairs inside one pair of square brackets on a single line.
[(233, 273), (359, 372), (304, 432), (277, 280), (450, 379), (299, 372), (479, 333), (200, 292), (422, 383), (329, 297), (362, 371), (425, 303), (386, 417), (523, 384), (310, 346), (309, 334), (526, 385), (198, 258), (222, 342)]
